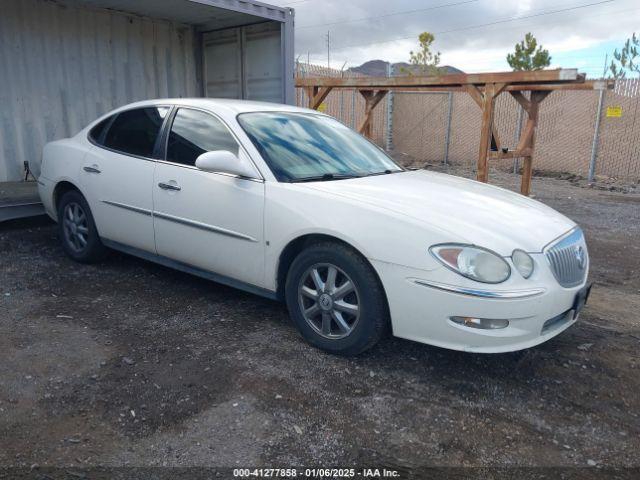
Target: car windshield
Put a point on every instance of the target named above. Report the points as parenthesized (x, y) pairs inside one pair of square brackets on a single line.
[(302, 147)]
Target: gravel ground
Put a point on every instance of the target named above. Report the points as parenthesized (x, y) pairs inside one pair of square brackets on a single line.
[(129, 363)]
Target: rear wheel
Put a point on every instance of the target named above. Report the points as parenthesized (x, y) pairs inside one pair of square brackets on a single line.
[(77, 229), (335, 299)]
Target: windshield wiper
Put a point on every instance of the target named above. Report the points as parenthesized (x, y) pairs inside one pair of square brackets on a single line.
[(325, 177), (384, 172)]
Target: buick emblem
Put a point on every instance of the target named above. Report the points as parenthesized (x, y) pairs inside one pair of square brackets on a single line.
[(325, 301), (580, 256)]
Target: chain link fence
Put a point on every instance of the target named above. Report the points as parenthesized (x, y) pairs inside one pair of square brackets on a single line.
[(443, 127)]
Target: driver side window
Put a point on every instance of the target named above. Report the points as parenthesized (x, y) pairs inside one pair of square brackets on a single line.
[(193, 133)]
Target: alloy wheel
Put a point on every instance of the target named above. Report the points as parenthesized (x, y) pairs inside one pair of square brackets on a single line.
[(329, 301), (75, 226)]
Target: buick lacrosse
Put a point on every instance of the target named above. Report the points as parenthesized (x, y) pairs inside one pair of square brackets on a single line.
[(291, 204)]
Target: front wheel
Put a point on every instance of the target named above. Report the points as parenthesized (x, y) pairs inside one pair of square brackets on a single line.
[(336, 300)]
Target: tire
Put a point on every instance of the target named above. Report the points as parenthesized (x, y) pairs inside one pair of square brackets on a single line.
[(77, 229), (312, 296)]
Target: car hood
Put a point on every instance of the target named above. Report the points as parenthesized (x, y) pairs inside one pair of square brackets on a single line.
[(470, 211)]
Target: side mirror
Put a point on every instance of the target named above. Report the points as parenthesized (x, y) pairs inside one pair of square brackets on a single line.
[(225, 162)]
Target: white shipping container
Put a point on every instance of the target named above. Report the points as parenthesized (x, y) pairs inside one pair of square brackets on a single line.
[(65, 63)]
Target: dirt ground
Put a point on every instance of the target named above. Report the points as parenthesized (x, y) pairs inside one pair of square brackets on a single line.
[(127, 363)]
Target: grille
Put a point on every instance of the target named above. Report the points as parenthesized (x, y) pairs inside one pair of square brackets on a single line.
[(569, 259)]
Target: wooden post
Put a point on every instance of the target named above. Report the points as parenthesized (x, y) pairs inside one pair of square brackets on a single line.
[(527, 140), (371, 100), (491, 91)]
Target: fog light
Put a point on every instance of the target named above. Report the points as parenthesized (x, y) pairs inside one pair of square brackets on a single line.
[(482, 323)]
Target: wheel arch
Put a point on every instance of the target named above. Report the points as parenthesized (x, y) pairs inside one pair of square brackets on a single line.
[(62, 187), (298, 244)]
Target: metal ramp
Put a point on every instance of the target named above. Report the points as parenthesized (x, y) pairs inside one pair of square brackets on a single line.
[(19, 200)]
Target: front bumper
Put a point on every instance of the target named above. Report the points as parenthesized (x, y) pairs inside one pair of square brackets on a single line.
[(422, 312)]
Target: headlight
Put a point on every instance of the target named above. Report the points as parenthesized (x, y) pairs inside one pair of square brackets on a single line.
[(523, 263), (472, 262)]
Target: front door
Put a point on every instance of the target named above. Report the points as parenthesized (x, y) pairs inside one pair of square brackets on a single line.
[(211, 221)]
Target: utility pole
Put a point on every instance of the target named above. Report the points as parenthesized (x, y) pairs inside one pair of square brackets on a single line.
[(328, 49)]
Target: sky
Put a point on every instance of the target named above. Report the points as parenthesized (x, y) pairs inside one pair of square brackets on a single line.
[(472, 35)]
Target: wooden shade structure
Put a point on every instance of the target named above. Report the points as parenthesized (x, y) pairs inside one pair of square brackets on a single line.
[(483, 88)]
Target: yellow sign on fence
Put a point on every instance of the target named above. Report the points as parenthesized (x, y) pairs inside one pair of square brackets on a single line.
[(615, 112), (322, 107)]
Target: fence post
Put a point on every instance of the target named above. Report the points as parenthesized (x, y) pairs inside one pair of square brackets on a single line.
[(389, 123), (353, 108), (302, 73), (447, 140), (596, 135), (516, 161), (342, 98)]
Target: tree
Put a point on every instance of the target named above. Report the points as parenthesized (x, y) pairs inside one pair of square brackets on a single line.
[(528, 55), (626, 60), (424, 61)]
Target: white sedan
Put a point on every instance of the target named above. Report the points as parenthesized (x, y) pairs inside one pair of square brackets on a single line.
[(291, 204)]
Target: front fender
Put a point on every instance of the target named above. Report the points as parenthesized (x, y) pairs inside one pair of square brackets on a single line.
[(378, 234)]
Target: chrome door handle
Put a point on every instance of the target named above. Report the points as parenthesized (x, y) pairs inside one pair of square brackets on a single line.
[(168, 186), (93, 169)]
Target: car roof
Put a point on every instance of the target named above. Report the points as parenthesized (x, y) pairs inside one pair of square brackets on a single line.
[(216, 104)]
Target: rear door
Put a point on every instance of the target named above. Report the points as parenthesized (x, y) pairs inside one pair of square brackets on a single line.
[(212, 221), (117, 177)]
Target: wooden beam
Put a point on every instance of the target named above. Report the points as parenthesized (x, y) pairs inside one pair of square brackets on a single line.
[(510, 78), (587, 85), (371, 99), (317, 95), (518, 87), (498, 88), (427, 89), (485, 132), (522, 100), (475, 93), (510, 154), (478, 97), (527, 140), (527, 132)]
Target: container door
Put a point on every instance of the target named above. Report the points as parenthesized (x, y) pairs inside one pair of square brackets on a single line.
[(223, 63), (244, 62), (263, 62)]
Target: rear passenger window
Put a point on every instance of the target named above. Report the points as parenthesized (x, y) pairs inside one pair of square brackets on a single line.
[(96, 132), (135, 131), (194, 133)]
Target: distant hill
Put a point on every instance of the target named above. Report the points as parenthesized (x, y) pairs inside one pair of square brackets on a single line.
[(378, 68)]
